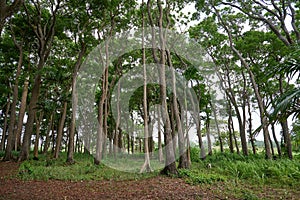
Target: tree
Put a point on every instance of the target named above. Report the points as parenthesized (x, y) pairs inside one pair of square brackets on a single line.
[(11, 129), (45, 40), (146, 165)]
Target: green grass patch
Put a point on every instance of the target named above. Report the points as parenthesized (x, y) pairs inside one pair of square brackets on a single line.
[(254, 169), (84, 169)]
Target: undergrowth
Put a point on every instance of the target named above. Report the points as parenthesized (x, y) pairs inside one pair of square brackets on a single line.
[(252, 168), (225, 167), (84, 169)]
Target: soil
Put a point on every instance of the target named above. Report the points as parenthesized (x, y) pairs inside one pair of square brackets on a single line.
[(160, 187)]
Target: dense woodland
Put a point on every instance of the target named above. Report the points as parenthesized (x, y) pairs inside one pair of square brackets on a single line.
[(252, 48)]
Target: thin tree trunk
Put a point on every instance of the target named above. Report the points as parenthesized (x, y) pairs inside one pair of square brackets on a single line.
[(12, 123), (275, 140), (120, 141), (21, 115), (271, 145), (230, 135), (230, 94), (233, 133), (5, 124), (183, 159), (101, 135), (287, 138), (207, 126), (70, 156), (197, 119), (251, 136), (218, 128), (38, 121), (60, 130), (160, 151), (49, 128), (117, 134), (146, 166)]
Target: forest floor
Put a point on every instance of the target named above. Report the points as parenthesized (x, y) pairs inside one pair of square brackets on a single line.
[(159, 187)]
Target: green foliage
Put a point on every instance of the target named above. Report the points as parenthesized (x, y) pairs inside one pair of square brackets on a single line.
[(195, 154), (14, 153), (47, 168), (253, 168), (197, 177)]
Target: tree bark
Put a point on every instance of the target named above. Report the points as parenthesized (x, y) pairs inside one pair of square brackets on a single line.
[(218, 128), (60, 130), (183, 158), (3, 139), (21, 115), (49, 128), (251, 136), (207, 127), (38, 121), (160, 151), (170, 164), (70, 156), (275, 139), (11, 129), (287, 138), (146, 166), (45, 39)]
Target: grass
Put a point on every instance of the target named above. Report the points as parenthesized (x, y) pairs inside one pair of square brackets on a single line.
[(230, 175), (244, 177), (47, 168)]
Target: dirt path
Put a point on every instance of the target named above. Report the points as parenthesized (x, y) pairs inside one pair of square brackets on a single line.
[(153, 188)]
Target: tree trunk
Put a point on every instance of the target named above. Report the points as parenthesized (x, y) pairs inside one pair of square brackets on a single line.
[(229, 127), (70, 156), (11, 129), (251, 136), (21, 115), (233, 133), (160, 151), (230, 135), (170, 164), (49, 128), (45, 36), (132, 144), (60, 130), (275, 140), (218, 128), (197, 119), (207, 126), (287, 138), (24, 154), (120, 141), (271, 146), (239, 117), (38, 121), (3, 139), (183, 158), (118, 135), (102, 107)]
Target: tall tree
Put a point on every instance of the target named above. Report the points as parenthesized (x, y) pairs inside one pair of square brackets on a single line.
[(146, 166), (11, 129), (44, 30)]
